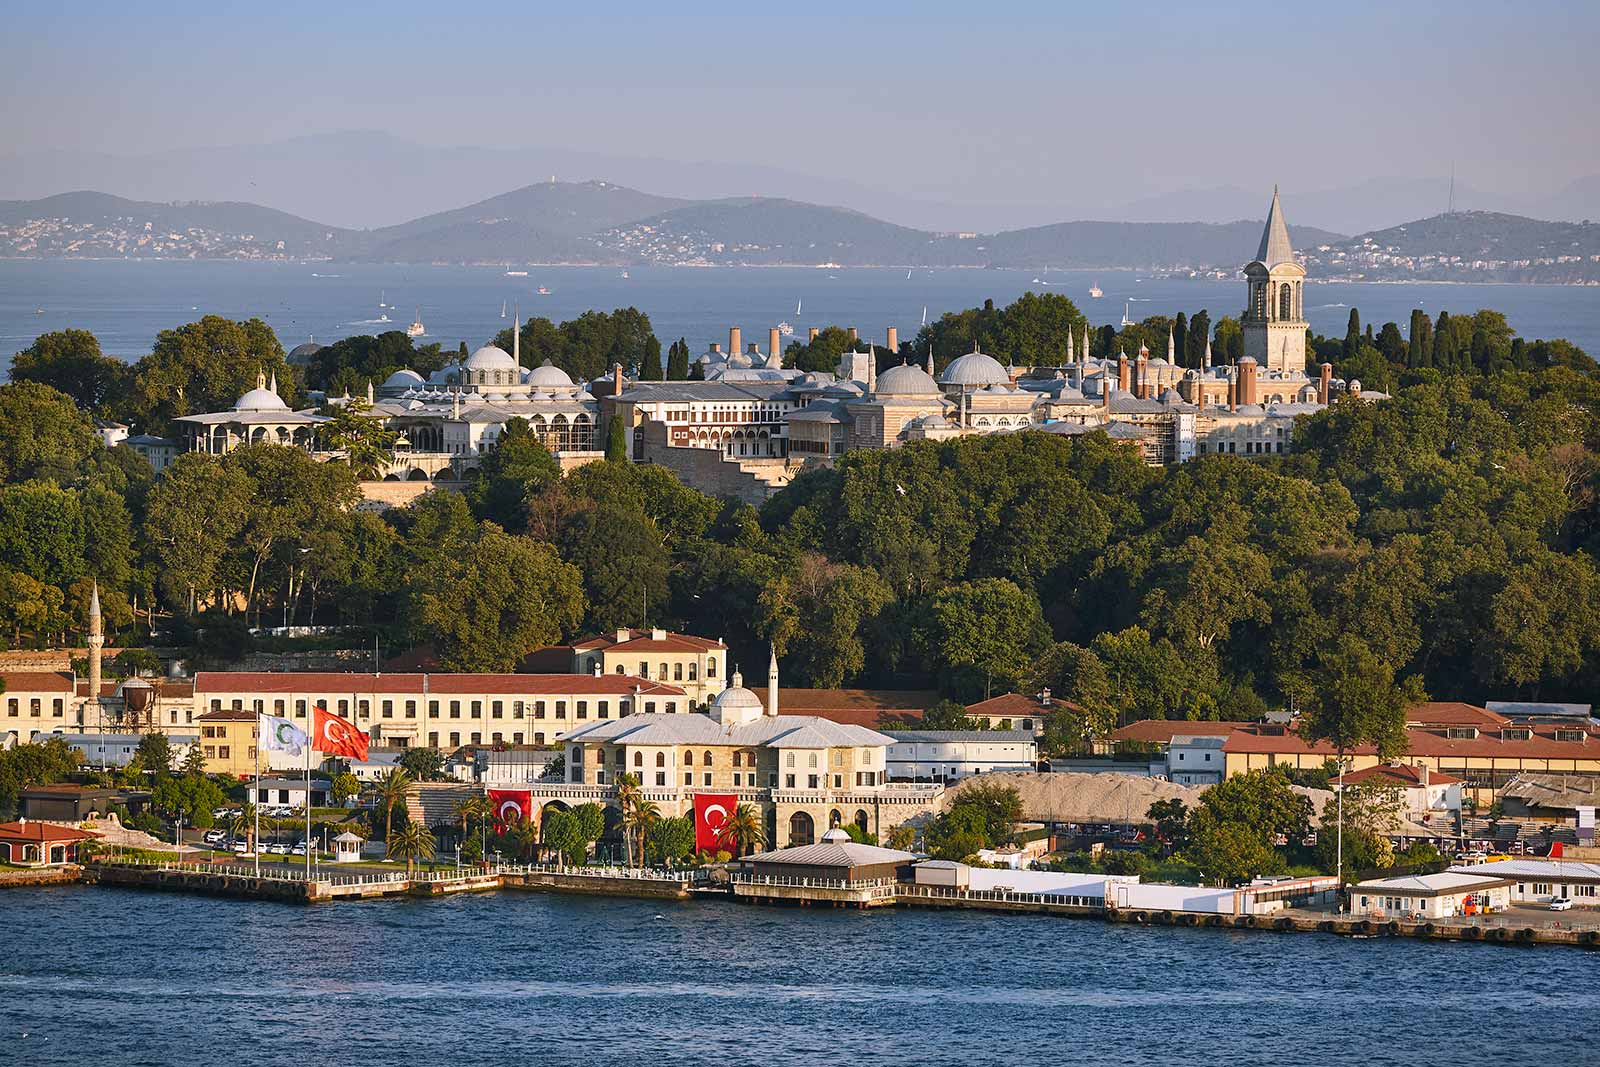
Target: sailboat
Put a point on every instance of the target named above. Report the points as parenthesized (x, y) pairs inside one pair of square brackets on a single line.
[(502, 309), (908, 275), (924, 314), (382, 300), (416, 329), (797, 304), (1125, 320)]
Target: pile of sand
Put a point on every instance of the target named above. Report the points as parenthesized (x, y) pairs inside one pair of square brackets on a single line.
[(1101, 798)]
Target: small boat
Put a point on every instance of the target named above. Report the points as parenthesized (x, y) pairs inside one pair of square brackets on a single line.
[(1094, 291), (382, 300), (785, 329), (382, 318), (416, 329), (38, 311), (516, 274), (1125, 320), (624, 274), (543, 290), (797, 304), (908, 275), (924, 314), (502, 309)]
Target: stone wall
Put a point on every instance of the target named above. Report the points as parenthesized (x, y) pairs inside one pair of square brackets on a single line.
[(381, 496), (748, 478)]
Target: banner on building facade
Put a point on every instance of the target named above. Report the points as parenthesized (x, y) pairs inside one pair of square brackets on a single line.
[(711, 813), (511, 806)]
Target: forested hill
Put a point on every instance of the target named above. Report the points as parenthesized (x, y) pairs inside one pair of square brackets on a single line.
[(1467, 246)]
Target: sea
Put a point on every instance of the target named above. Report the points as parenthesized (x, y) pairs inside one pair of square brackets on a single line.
[(93, 976), (127, 303)]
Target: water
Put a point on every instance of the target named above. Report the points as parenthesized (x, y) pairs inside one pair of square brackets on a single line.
[(111, 976), (126, 304)]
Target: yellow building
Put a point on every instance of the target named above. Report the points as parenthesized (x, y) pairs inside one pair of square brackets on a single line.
[(228, 740), (697, 665)]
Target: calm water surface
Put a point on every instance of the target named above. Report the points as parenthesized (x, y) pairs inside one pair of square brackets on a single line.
[(92, 976), (126, 304)]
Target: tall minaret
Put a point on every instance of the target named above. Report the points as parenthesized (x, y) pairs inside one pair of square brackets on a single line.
[(1273, 323), (1172, 348), (772, 684), (97, 641), (516, 341), (1069, 346), (1208, 353)]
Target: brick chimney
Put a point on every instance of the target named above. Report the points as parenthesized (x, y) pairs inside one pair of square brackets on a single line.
[(1422, 768), (1122, 371), (1325, 384), (616, 379), (892, 343), (1141, 374), (1247, 381), (734, 341), (774, 342), (853, 335)]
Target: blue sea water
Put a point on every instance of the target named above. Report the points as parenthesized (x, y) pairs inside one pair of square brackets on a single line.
[(127, 303), (103, 976)]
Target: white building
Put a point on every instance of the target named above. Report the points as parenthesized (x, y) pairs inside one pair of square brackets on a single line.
[(116, 749), (1195, 759), (1423, 789), (950, 755), (1458, 891), (288, 792), (1539, 881)]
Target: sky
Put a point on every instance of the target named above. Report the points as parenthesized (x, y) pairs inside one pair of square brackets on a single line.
[(1027, 105)]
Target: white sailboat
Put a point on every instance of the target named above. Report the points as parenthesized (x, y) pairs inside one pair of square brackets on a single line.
[(416, 329), (383, 301), (1125, 320), (924, 314), (908, 275), (797, 304), (502, 309)]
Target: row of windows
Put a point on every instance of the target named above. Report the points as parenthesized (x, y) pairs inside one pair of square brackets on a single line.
[(58, 707), (476, 738), (497, 708)]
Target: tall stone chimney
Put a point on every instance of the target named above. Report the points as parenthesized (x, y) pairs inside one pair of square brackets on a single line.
[(616, 379), (1122, 371), (892, 343), (811, 334), (1247, 381), (774, 342), (735, 339), (1325, 384), (853, 335), (1141, 372)]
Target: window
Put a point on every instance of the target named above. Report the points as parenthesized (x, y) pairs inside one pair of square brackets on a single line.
[(476, 738), (455, 739), (433, 710), (258, 706), (516, 709), (707, 758), (707, 777), (603, 709), (216, 705), (788, 759), (277, 707), (433, 739), (455, 709), (583, 709), (662, 674), (344, 708), (577, 753), (661, 778), (677, 672), (497, 709), (644, 669), (811, 760), (388, 709), (35, 707), (688, 759), (538, 709), (711, 667), (411, 709), (477, 709), (691, 672), (222, 751), (638, 759), (738, 759), (561, 709), (688, 778), (661, 759), (57, 707), (649, 707), (838, 781), (788, 781), (811, 781)]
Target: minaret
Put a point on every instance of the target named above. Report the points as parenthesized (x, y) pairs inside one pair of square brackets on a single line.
[(455, 403), (516, 341), (369, 392), (1208, 353), (273, 385), (1172, 348), (772, 684), (1069, 347), (97, 641), (930, 359)]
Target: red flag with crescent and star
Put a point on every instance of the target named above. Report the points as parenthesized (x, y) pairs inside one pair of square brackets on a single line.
[(337, 736), (711, 813), (511, 807)]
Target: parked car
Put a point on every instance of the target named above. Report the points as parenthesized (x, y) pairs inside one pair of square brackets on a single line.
[(241, 847), (299, 849), (1561, 904), (214, 837), (278, 848)]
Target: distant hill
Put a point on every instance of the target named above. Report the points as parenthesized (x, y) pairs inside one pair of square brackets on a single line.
[(600, 222), (98, 225), (1467, 246)]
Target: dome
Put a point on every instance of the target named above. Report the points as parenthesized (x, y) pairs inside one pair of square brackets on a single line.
[(905, 380), (300, 355), (736, 704), (260, 399), (549, 376), (490, 358), (403, 379), (835, 836), (974, 368)]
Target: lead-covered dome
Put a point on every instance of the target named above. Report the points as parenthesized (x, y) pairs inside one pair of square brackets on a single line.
[(490, 357), (905, 380), (260, 399), (403, 379), (736, 704), (974, 369), (549, 376)]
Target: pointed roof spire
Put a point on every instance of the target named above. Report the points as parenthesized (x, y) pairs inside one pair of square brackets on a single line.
[(1208, 353), (273, 385), (1275, 247), (261, 378), (1172, 348), (930, 359), (94, 601), (516, 339), (1069, 346)]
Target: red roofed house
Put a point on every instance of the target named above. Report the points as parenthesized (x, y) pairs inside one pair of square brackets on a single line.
[(40, 844), (697, 665), (1425, 790), (1014, 711)]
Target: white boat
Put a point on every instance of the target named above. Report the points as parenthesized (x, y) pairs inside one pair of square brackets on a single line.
[(381, 318), (924, 314), (624, 274), (516, 274), (797, 304), (502, 309), (543, 290), (908, 276), (382, 300), (1094, 291), (785, 329), (416, 329), (1125, 320)]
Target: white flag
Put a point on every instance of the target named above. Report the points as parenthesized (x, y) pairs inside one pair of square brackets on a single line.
[(281, 735)]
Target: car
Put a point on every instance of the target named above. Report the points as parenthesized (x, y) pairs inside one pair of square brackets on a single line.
[(278, 848), (1561, 904), (298, 850), (241, 847), (214, 837)]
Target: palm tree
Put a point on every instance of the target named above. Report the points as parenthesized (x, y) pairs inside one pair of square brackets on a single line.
[(627, 797), (413, 842), (743, 831), (640, 817), (526, 836), (243, 824), (474, 809), (392, 786)]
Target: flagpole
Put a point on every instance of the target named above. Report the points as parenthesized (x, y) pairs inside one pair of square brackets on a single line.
[(308, 811), (255, 807)]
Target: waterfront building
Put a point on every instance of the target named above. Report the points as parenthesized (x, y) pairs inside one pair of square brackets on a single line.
[(28, 843), (75, 803), (1539, 881), (951, 755), (1431, 896), (804, 773)]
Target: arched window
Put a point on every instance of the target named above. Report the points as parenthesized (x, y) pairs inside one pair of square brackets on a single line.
[(802, 831), (738, 759), (638, 759), (834, 819), (688, 759), (1286, 302), (661, 759), (706, 759)]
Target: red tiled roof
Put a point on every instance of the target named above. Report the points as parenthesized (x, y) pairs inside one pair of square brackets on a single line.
[(315, 683), (41, 832), (1404, 774), (37, 681), (1431, 742), (641, 641), (1014, 705), (822, 701), (171, 690), (1452, 713), (1162, 731), (871, 718)]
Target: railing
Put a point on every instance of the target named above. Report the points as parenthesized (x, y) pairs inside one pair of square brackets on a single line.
[(813, 883), (248, 870), (676, 876), (998, 895)]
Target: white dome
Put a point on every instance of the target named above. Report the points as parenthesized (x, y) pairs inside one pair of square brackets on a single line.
[(905, 380), (402, 379), (736, 704), (835, 836), (260, 400), (974, 369), (549, 376), (490, 358)]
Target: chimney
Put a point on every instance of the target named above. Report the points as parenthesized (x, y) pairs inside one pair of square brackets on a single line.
[(623, 634), (1247, 381), (774, 342), (658, 635), (1200, 397), (811, 334), (735, 338), (751, 350), (1233, 393), (616, 379), (716, 349), (853, 335), (1141, 372), (597, 668), (1122, 371), (1325, 384), (1044, 697), (893, 342), (1422, 768)]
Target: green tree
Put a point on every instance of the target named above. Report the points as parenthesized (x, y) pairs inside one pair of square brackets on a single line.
[(678, 361), (616, 440), (1370, 815), (987, 632), (622, 561), (425, 764), (671, 840), (191, 797), (205, 366), (819, 616), (364, 438), (1170, 819), (345, 786), (413, 842), (71, 361), (743, 832), (390, 793), (43, 434), (518, 467), (195, 515), (1352, 334), (948, 715), (155, 753), (559, 831)]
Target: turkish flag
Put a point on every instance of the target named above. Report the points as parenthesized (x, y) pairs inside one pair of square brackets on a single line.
[(711, 813), (511, 806), (336, 736)]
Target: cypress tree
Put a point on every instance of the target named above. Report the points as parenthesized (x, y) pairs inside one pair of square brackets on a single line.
[(1180, 340), (1444, 353), (1199, 330), (678, 361), (616, 441), (650, 368), (1416, 336), (1352, 335)]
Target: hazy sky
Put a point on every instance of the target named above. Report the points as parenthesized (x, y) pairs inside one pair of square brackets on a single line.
[(976, 103)]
